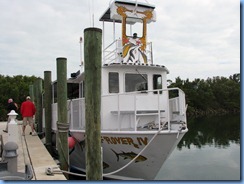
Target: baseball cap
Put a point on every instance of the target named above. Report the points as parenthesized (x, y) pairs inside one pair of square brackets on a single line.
[(28, 98)]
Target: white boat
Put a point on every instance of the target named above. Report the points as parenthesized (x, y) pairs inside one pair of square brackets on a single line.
[(142, 120)]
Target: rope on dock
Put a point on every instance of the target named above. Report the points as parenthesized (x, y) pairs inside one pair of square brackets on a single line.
[(25, 153)]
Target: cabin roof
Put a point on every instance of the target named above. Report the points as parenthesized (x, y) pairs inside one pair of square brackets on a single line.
[(138, 65), (106, 16)]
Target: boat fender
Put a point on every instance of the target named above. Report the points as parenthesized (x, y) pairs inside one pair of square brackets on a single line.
[(71, 142)]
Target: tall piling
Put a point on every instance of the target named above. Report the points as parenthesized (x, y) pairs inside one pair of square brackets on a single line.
[(93, 56), (62, 123), (38, 97), (48, 109), (31, 92), (32, 95)]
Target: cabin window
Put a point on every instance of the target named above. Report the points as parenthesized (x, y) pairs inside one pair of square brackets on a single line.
[(113, 78), (54, 88), (135, 82), (73, 90), (157, 83)]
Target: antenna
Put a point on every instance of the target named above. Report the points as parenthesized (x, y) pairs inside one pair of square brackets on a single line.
[(81, 61), (134, 11), (92, 19), (91, 13), (92, 7)]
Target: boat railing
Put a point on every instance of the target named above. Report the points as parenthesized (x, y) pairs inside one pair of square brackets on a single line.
[(165, 111), (173, 112), (113, 53)]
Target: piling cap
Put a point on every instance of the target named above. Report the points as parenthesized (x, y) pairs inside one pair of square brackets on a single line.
[(9, 146)]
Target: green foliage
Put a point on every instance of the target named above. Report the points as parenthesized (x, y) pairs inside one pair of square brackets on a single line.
[(17, 88), (217, 95), (212, 96)]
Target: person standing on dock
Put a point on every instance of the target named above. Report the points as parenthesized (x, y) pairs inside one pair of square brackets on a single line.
[(28, 111), (11, 106)]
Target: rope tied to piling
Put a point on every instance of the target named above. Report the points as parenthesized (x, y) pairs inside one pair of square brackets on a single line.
[(51, 171), (63, 127)]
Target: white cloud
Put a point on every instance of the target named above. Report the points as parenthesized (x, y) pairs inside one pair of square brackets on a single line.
[(192, 38)]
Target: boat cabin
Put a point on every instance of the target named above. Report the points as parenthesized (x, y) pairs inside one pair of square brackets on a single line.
[(140, 116), (134, 89)]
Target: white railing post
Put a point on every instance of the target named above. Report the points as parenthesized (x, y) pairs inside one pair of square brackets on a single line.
[(79, 110), (119, 113), (182, 105), (158, 111), (135, 122), (181, 102), (168, 111), (71, 115)]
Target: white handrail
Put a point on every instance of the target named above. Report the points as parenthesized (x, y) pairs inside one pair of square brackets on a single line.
[(181, 104), (112, 52), (179, 101)]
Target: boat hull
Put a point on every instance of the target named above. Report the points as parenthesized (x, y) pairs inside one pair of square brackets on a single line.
[(121, 148)]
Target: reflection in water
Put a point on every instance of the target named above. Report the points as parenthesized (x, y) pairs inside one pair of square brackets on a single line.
[(218, 131), (210, 151)]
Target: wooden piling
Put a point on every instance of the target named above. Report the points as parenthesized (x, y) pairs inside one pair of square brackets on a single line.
[(38, 116), (93, 56), (62, 124), (31, 92), (48, 109)]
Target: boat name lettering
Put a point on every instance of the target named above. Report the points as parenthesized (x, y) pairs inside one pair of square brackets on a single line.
[(125, 140)]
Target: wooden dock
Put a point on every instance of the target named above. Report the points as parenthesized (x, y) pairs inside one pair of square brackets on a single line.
[(31, 150)]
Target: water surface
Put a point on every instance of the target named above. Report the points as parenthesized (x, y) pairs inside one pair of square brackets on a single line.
[(209, 151)]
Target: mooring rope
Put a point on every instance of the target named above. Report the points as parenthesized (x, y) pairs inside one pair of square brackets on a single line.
[(136, 156), (50, 171), (62, 128)]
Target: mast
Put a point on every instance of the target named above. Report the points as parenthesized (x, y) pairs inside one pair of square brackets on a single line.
[(81, 61)]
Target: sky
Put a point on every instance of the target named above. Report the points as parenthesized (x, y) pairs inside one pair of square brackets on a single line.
[(192, 38)]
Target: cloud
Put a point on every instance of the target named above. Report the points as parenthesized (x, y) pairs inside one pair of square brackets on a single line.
[(197, 32), (188, 34)]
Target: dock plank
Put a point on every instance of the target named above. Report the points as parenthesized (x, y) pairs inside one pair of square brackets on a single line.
[(31, 150)]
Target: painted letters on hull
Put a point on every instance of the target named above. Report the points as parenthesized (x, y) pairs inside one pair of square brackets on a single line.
[(119, 150)]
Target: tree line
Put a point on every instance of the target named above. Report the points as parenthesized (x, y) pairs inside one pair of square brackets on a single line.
[(17, 88), (217, 95)]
